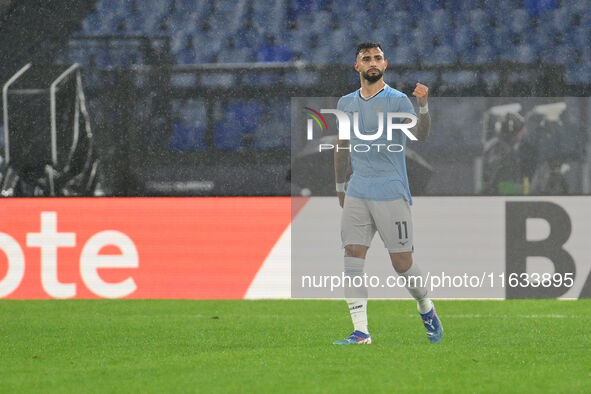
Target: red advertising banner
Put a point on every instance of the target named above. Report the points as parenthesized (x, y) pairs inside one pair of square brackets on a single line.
[(136, 247)]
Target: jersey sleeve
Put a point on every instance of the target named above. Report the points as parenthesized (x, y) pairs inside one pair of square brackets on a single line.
[(405, 105)]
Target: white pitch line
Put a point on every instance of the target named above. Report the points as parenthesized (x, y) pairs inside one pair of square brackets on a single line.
[(476, 316)]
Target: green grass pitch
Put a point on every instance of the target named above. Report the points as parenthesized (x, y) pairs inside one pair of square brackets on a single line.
[(157, 346)]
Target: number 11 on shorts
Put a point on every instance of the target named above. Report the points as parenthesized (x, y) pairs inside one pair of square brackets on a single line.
[(400, 224)]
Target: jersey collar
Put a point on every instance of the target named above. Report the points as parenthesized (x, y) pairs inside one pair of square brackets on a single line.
[(369, 98)]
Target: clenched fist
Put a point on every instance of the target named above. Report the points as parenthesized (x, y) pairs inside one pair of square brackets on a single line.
[(421, 93)]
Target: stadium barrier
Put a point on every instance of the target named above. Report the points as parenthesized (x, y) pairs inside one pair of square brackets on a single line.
[(234, 248)]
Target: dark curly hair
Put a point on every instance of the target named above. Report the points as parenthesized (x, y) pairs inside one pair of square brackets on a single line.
[(367, 45)]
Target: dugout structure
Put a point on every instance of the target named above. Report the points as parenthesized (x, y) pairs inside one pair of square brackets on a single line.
[(48, 142)]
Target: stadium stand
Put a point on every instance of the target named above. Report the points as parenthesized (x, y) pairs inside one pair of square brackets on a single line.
[(430, 33), (214, 78), (443, 32)]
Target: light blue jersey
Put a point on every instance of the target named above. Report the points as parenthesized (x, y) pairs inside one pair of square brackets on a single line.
[(378, 174)]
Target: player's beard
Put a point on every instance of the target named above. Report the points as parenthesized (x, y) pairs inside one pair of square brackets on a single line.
[(372, 78)]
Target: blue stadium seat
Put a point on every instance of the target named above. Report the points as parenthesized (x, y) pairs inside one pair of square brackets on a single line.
[(345, 13), (484, 54), (103, 58), (278, 17), (154, 6), (519, 20), (135, 24), (415, 8), (404, 55), (439, 19), (241, 117), (77, 55), (269, 51), (187, 135), (426, 77), (300, 39), (304, 23), (346, 56), (227, 136), (463, 38), (527, 36), (187, 6), (186, 56), (503, 6), (491, 78), (459, 78), (520, 53), (340, 38), (399, 21), (244, 55), (217, 80), (376, 7), (432, 5), (543, 38), (99, 57), (580, 37), (441, 56), (562, 17), (320, 21), (586, 18), (504, 43), (578, 73), (382, 35), (535, 7), (325, 31), (585, 54), (209, 51), (273, 130), (248, 38), (302, 78), (460, 17), (114, 6), (321, 55), (477, 19), (153, 24), (361, 27), (92, 24), (525, 54), (470, 4), (561, 54), (249, 112), (422, 40), (180, 41)]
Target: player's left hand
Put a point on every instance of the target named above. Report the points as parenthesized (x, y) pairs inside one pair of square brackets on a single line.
[(421, 93)]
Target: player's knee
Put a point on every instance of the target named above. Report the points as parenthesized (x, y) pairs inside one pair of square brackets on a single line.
[(358, 251), (401, 261)]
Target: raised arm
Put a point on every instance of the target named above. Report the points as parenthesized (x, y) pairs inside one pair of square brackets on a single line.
[(423, 127)]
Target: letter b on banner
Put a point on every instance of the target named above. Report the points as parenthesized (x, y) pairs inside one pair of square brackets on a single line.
[(518, 248)]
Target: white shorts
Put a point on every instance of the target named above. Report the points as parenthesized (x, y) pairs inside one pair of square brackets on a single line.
[(391, 219)]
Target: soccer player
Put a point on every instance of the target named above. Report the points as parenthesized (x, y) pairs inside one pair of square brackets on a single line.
[(377, 197)]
